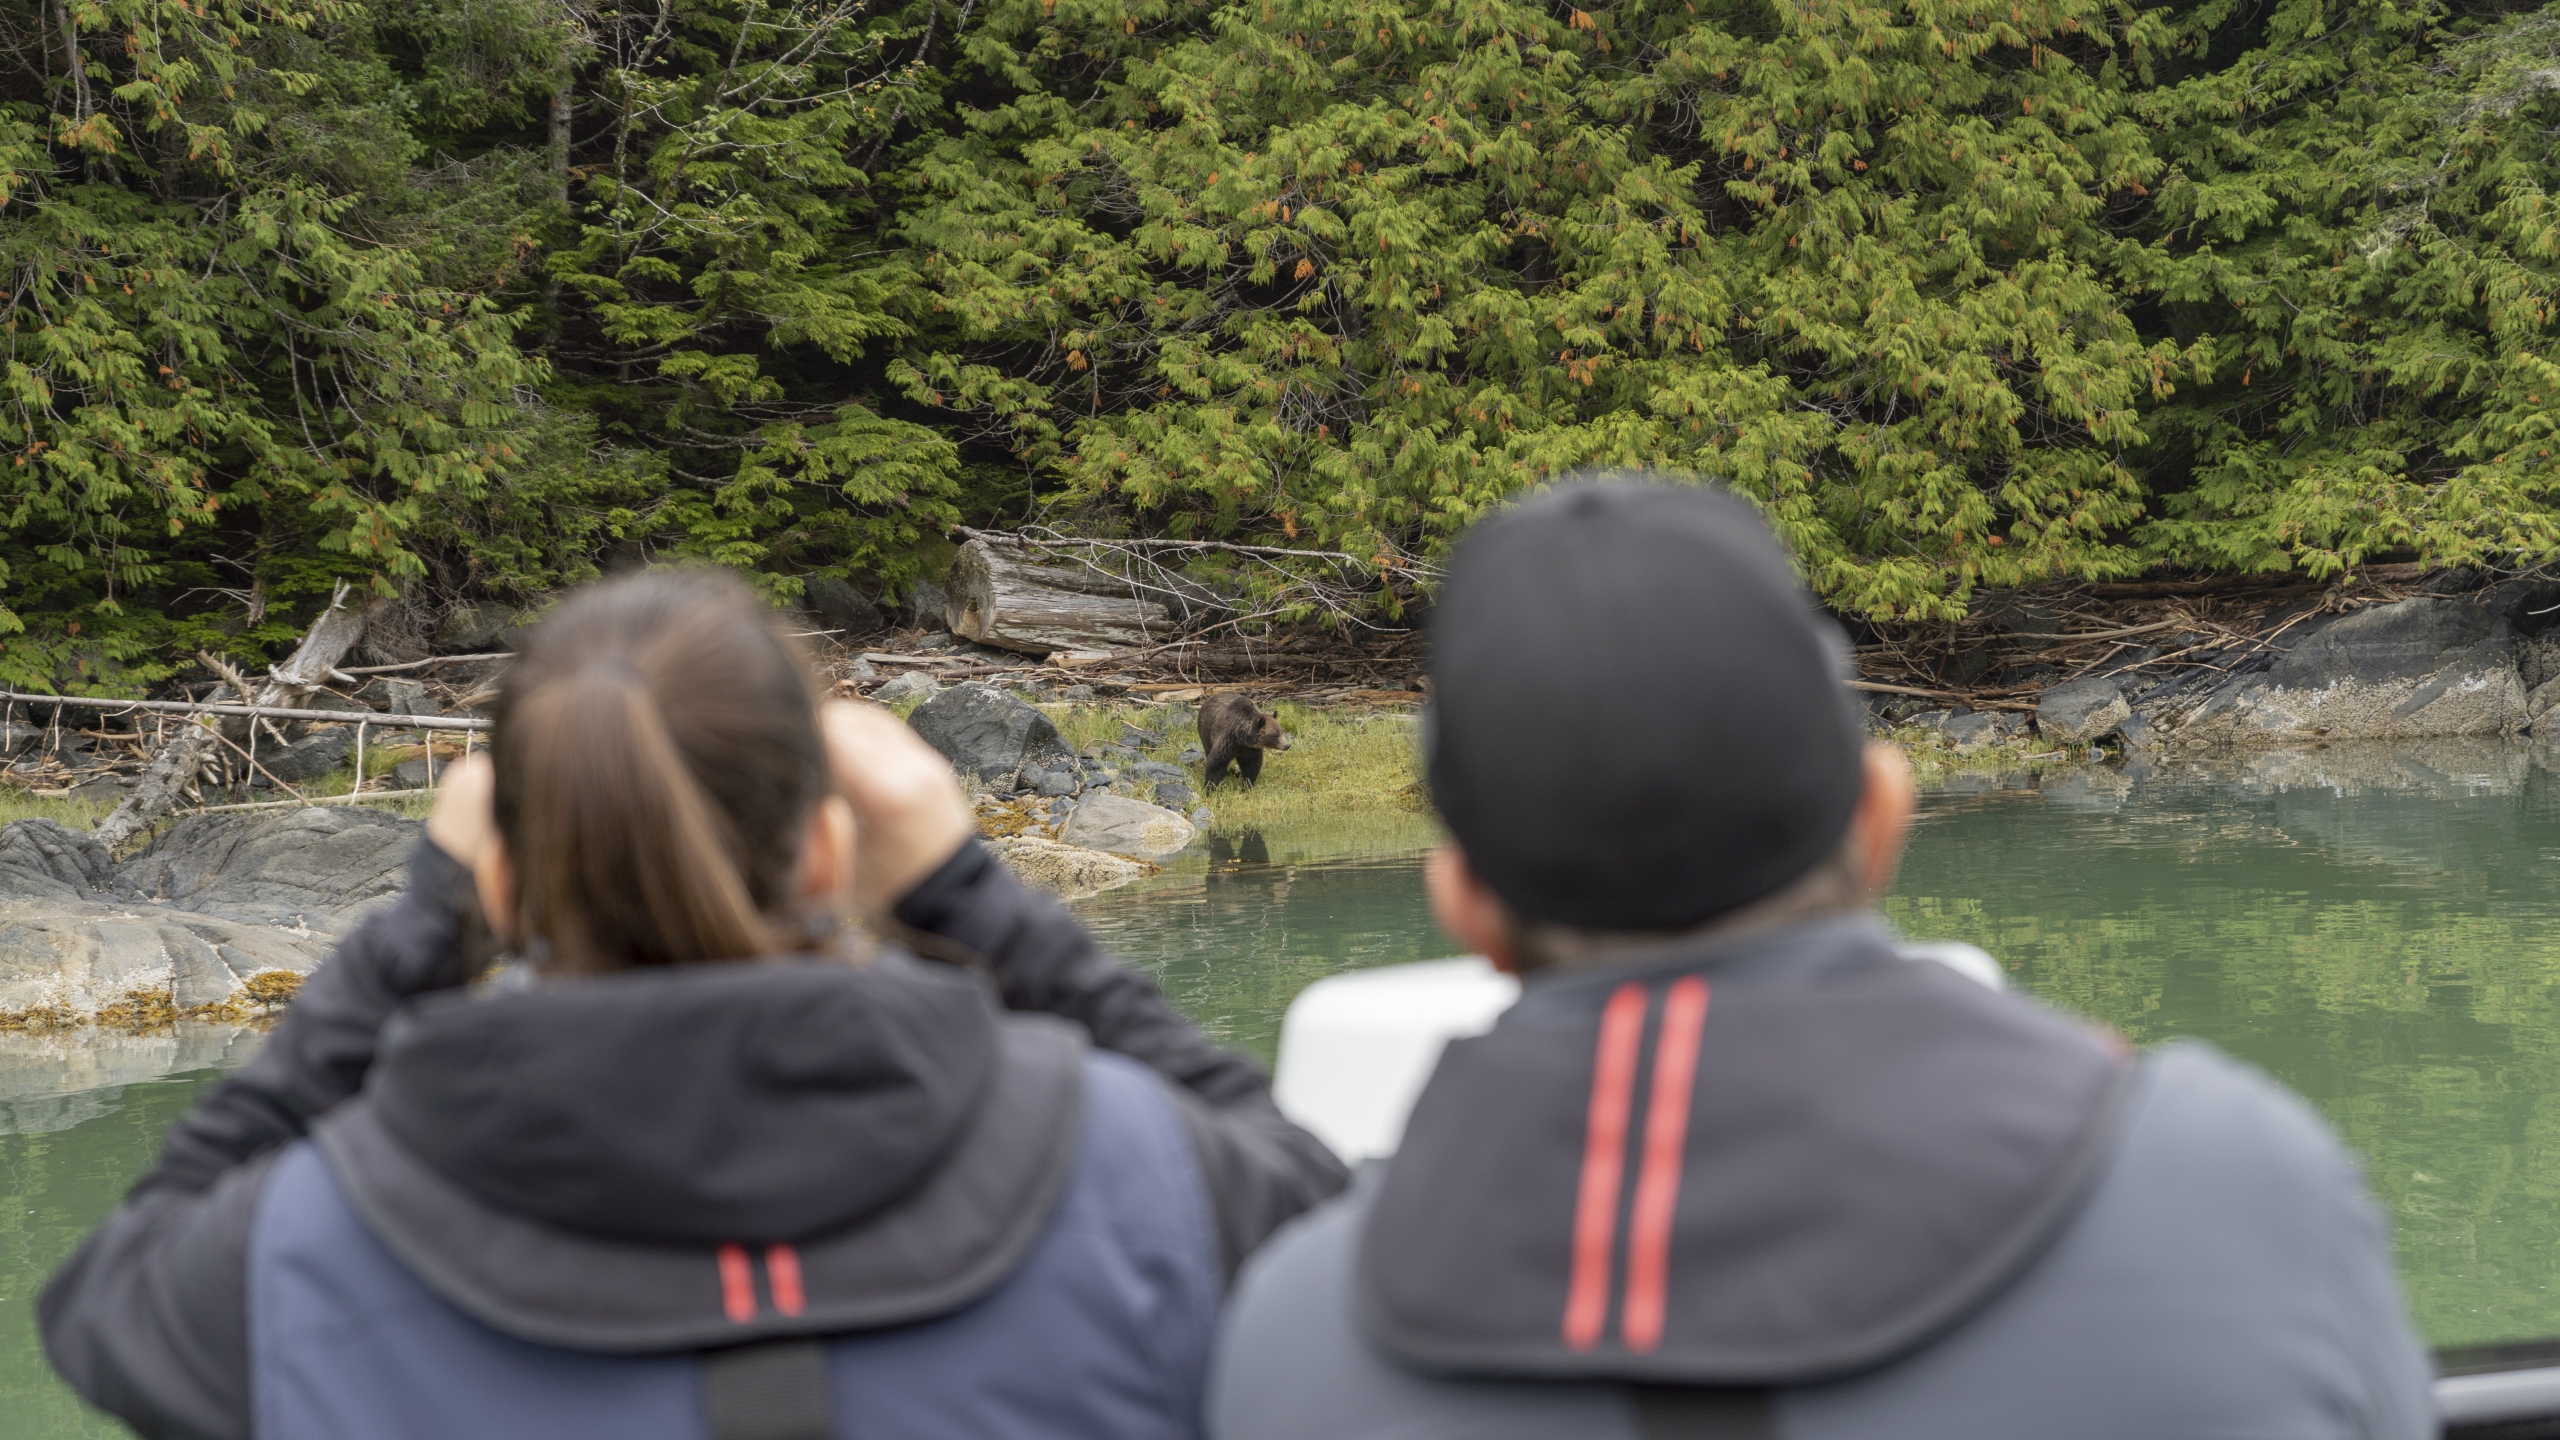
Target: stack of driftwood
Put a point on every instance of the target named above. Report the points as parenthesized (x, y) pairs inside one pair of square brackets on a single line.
[(1114, 615), (190, 741), (2015, 645)]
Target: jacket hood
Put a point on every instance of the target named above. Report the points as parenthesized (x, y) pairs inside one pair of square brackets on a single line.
[(746, 1102), (713, 1155), (1778, 1161)]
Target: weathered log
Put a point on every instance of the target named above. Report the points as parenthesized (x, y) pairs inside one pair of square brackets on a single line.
[(288, 686), (161, 786), (1013, 596)]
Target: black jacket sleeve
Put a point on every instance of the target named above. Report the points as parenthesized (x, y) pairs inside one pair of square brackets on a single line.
[(148, 1320), (1261, 1169)]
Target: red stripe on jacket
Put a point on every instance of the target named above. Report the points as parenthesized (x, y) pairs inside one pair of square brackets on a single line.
[(737, 1284), (1666, 1144), (1604, 1163)]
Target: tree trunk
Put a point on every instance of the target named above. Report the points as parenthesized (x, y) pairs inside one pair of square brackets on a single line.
[(559, 150), (174, 769), (1005, 594)]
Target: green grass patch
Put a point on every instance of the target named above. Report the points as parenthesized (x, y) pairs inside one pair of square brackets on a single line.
[(1933, 759), (1351, 772), (16, 804), (1339, 769), (83, 815)]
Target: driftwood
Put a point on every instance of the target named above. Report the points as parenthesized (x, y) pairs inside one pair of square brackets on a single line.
[(288, 687), (1970, 700), (1013, 596), (430, 661), (161, 787), (274, 712), (2262, 585), (1287, 580), (1195, 656)]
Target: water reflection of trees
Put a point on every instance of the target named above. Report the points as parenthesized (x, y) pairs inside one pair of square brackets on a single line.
[(2381, 931)]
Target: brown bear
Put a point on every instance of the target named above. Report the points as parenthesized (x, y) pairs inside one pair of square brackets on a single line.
[(1233, 728)]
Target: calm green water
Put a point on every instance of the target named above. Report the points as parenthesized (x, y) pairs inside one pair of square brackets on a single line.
[(2379, 929)]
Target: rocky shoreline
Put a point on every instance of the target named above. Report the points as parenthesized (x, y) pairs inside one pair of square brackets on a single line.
[(216, 918), (220, 912), (219, 916), (1071, 821), (2481, 662)]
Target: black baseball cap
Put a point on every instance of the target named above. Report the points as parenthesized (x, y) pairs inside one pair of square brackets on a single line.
[(1638, 716)]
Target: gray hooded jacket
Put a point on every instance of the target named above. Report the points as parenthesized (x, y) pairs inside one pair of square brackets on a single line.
[(1869, 1201)]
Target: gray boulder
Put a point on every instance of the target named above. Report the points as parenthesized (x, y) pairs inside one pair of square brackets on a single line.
[(310, 758), (990, 736), (74, 959), (213, 901), (838, 606), (2539, 702), (398, 696), (2081, 711), (282, 867), (1066, 871), (1126, 827), (926, 604), (1982, 727), (1157, 770), (1054, 783), (2412, 640), (2421, 667), (39, 858), (901, 687), (2137, 732)]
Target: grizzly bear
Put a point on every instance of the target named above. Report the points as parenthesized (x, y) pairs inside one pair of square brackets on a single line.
[(1234, 728)]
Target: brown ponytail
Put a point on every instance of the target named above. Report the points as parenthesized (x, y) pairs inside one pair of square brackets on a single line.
[(657, 756)]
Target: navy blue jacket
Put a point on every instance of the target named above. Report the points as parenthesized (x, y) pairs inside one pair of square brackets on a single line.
[(681, 1202)]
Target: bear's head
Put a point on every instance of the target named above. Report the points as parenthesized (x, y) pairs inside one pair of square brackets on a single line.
[(1266, 731)]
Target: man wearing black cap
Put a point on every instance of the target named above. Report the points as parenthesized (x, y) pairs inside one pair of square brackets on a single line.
[(1735, 1166)]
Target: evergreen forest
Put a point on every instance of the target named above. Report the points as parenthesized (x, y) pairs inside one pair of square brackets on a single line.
[(473, 298)]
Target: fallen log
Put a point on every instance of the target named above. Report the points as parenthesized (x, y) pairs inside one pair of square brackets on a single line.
[(2272, 585), (271, 712), (288, 687), (1010, 595), (1228, 657), (1971, 701)]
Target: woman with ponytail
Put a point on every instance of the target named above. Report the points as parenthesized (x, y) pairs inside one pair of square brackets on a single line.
[(699, 1156)]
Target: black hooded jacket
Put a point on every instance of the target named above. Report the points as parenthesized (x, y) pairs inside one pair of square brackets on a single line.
[(651, 1107)]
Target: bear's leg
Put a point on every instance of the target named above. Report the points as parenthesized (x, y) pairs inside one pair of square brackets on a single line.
[(1215, 769), (1249, 764)]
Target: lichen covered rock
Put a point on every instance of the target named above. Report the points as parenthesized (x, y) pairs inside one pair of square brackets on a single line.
[(1126, 827), (1070, 872)]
